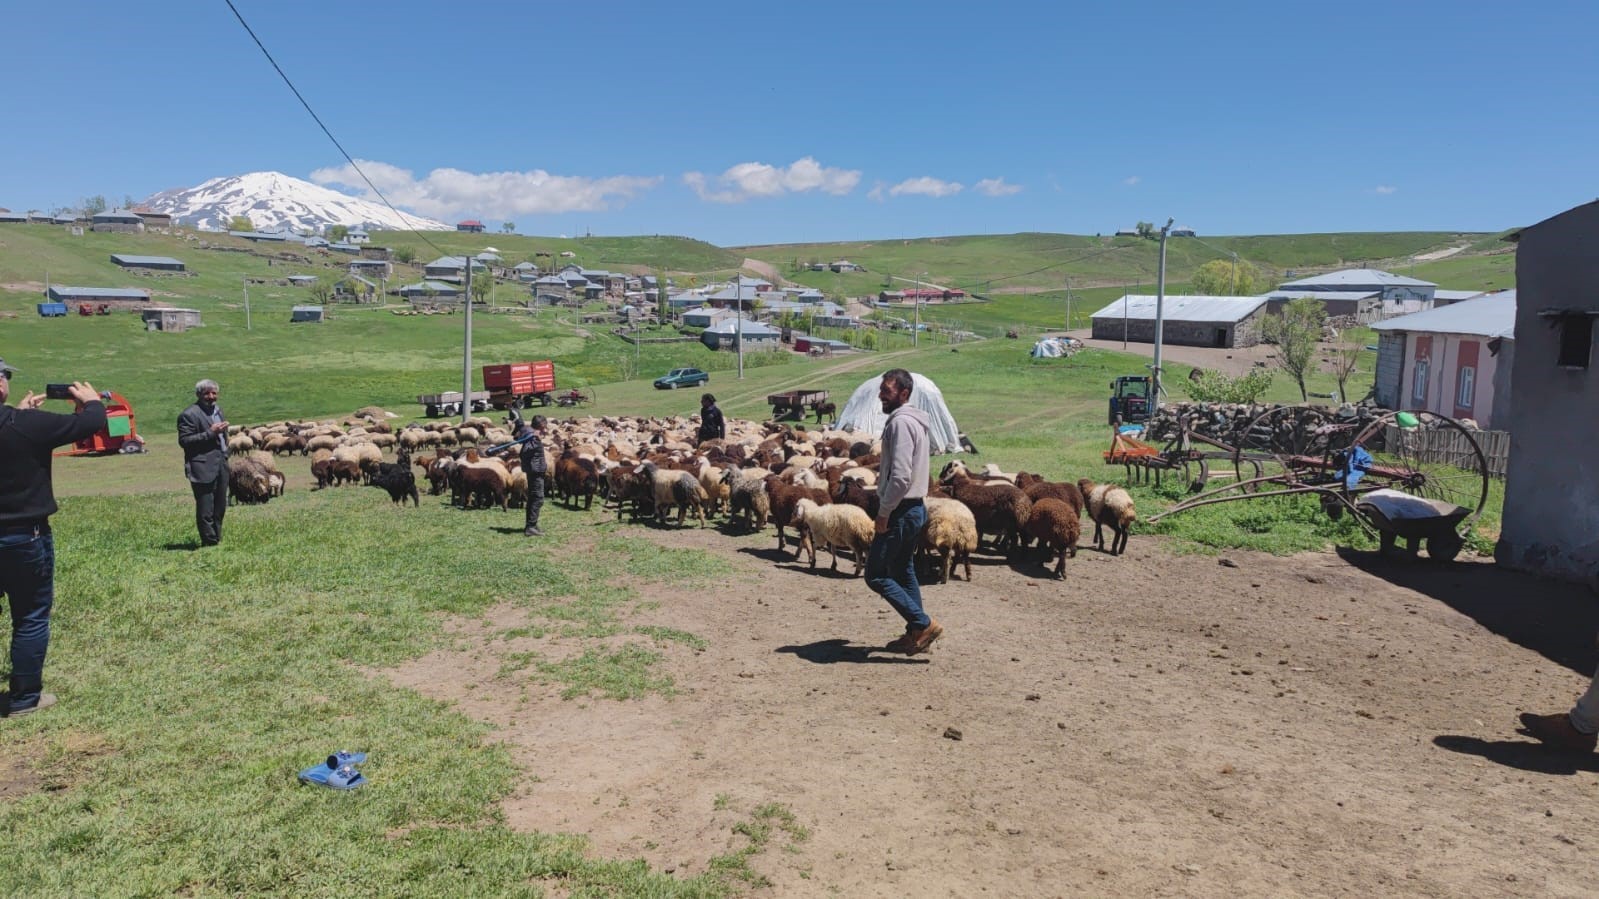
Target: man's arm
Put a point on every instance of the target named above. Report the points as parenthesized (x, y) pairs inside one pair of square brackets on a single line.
[(193, 429), (892, 489), (56, 429)]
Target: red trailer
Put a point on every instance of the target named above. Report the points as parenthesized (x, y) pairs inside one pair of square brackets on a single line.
[(519, 383), (119, 434)]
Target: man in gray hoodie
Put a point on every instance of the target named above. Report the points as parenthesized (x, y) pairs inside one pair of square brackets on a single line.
[(901, 488)]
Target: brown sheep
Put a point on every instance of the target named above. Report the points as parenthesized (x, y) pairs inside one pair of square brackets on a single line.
[(783, 497), (1000, 508), (1056, 525)]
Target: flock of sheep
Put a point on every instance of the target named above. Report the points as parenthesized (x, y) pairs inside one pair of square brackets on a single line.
[(819, 483)]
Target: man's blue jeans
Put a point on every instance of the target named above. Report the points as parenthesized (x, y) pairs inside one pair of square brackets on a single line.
[(27, 578), (891, 562)]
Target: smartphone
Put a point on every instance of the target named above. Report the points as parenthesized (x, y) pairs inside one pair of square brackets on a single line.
[(58, 391)]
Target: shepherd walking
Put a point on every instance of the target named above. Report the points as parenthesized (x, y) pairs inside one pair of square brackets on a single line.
[(901, 489)]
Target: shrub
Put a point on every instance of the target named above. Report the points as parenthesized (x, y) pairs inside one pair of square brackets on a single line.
[(1215, 387)]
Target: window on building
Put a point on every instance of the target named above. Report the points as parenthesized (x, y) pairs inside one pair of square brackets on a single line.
[(1418, 386), (1576, 340), (1467, 389)]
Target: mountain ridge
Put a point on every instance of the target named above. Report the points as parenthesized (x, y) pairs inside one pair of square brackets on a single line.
[(274, 201)]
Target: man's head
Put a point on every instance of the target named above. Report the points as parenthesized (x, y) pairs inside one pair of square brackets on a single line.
[(539, 422), (707, 401), (896, 388), (6, 372), (206, 391)]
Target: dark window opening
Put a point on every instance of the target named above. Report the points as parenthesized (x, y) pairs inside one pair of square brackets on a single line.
[(1576, 340)]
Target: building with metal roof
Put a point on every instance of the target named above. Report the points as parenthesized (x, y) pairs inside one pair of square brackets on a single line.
[(170, 319), (430, 290), (1188, 320), (1442, 297), (1453, 360), (724, 335), (158, 263), (114, 220), (1365, 305), (61, 293), (13, 217), (306, 314), (1386, 284)]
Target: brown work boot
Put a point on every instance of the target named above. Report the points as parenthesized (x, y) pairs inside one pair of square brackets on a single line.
[(922, 640), (1556, 732), (905, 643)]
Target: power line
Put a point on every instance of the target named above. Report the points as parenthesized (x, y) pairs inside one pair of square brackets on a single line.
[(318, 119)]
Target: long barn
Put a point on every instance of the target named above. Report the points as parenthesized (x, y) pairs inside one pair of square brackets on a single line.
[(1188, 320)]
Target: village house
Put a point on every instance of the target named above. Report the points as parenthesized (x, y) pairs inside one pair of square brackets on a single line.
[(154, 263), (704, 316), (844, 265), (1225, 322), (1386, 285), (151, 218), (371, 268), (552, 287), (724, 335), (1455, 360), (450, 268), (372, 251), (8, 217), (1551, 512), (430, 291), (357, 237), (302, 280), (1363, 306), (113, 220), (526, 272), (61, 293), (354, 288), (472, 225), (306, 314), (170, 319)]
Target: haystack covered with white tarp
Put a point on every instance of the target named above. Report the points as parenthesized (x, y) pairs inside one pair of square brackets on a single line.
[(863, 414)]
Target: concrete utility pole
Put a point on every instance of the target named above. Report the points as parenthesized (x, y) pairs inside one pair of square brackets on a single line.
[(246, 304), (917, 328), (1160, 309), (1233, 291), (738, 323), (466, 357)]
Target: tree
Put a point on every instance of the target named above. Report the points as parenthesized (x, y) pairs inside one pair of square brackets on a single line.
[(338, 233), (1217, 278), (240, 223), (481, 282), (508, 227), (663, 305), (1215, 387), (405, 254), (1344, 364), (1296, 333), (1146, 230), (128, 202), (93, 205), (322, 292)]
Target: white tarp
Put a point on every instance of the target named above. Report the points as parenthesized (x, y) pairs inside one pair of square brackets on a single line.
[(863, 414), (1053, 348)]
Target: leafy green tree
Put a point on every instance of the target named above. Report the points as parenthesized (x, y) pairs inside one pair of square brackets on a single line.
[(93, 205), (1217, 278), (508, 227), (338, 233), (481, 283), (1344, 364), (240, 223), (1215, 387), (663, 306), (1146, 230), (1296, 333), (405, 254)]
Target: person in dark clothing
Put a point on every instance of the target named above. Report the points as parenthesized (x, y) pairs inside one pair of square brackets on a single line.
[(27, 547), (537, 469), (712, 427), (203, 434)]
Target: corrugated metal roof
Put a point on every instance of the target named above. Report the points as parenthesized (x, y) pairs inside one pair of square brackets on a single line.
[(1356, 277), (1183, 307), (1322, 294), (751, 328), (116, 215), (104, 293), (130, 259), (1491, 316), (1456, 296)]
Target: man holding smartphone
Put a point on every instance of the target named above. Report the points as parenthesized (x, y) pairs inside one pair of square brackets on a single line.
[(27, 547), (203, 434)]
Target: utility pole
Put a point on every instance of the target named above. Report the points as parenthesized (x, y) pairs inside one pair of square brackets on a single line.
[(1233, 291), (738, 311), (1068, 303), (1160, 309), (916, 330), (466, 357), (246, 304)]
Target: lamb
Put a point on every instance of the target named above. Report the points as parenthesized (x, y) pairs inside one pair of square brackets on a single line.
[(951, 533), (1057, 525), (673, 488), (834, 526), (716, 486), (856, 493), (783, 497), (398, 479), (1109, 505), (1000, 508), (747, 495)]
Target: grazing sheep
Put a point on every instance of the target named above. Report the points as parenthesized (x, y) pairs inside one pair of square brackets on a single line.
[(1057, 525), (951, 533), (481, 484), (1109, 505), (673, 488), (576, 476), (248, 482), (833, 525), (747, 496), (1000, 508)]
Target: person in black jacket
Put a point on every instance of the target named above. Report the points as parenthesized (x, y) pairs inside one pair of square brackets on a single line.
[(712, 427), (203, 434), (27, 547), (536, 467)]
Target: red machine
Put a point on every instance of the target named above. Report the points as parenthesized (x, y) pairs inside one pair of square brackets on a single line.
[(119, 434), (519, 383)]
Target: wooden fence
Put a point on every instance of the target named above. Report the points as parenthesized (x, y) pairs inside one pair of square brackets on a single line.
[(1449, 446)]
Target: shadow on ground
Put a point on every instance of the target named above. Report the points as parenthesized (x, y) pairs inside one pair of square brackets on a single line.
[(1520, 754), (1555, 619), (827, 652)]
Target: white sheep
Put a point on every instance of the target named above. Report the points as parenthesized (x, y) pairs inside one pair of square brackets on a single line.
[(1108, 504), (834, 525), (951, 534)]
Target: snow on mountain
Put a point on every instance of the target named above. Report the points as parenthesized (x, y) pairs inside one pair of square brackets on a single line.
[(273, 201)]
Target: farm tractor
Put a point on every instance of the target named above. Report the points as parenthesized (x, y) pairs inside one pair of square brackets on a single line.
[(1131, 399)]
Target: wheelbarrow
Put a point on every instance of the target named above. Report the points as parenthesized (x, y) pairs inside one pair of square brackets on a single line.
[(1395, 515)]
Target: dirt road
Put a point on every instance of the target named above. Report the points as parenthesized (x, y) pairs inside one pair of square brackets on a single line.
[(1156, 725)]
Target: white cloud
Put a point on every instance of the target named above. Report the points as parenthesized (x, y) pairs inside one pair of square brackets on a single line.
[(1132, 180), (1384, 189), (876, 194), (996, 187), (749, 180), (926, 186), (500, 195)]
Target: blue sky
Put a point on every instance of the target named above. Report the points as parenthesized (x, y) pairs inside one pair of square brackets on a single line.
[(743, 123)]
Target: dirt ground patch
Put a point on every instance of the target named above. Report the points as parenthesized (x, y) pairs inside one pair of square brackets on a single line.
[(1158, 724), (52, 762)]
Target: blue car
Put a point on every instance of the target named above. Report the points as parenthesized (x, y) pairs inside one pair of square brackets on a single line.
[(682, 377)]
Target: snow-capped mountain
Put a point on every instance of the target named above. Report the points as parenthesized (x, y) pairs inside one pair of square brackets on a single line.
[(274, 201)]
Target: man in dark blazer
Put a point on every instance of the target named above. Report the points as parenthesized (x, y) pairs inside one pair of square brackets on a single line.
[(203, 434)]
